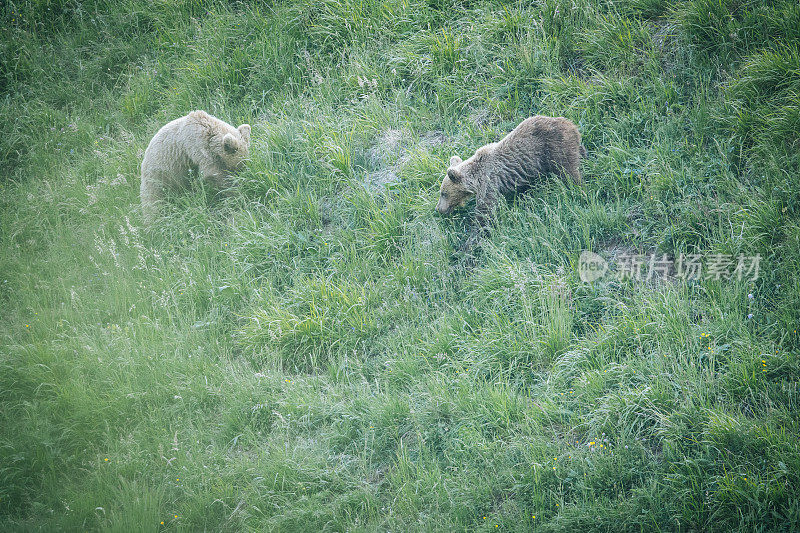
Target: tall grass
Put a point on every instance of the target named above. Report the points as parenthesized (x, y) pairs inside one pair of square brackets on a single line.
[(313, 354)]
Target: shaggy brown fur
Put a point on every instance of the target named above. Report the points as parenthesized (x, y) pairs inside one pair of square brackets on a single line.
[(538, 146)]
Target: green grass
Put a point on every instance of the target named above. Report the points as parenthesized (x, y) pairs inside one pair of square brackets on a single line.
[(311, 354)]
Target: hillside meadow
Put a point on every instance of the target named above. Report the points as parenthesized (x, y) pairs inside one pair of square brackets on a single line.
[(314, 354)]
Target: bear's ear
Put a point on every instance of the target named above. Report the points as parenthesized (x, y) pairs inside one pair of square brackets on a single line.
[(230, 144), (455, 160), (244, 131), (454, 175)]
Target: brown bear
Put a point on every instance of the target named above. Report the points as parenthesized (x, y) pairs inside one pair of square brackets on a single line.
[(537, 146), (198, 142)]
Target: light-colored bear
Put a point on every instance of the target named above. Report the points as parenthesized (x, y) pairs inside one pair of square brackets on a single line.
[(197, 143), (537, 146)]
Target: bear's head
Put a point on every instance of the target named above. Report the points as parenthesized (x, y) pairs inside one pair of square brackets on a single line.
[(236, 147), (459, 184)]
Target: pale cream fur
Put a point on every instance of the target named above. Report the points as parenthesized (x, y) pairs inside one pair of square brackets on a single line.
[(196, 143)]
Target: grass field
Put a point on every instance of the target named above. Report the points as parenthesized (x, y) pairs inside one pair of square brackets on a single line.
[(313, 355)]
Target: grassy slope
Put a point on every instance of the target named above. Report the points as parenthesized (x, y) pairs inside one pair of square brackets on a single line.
[(309, 357)]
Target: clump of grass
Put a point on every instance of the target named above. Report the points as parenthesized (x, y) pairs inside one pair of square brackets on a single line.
[(619, 43), (763, 97), (315, 313)]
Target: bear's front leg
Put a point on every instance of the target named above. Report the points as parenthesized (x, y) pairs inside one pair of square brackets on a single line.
[(484, 209), (218, 178)]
